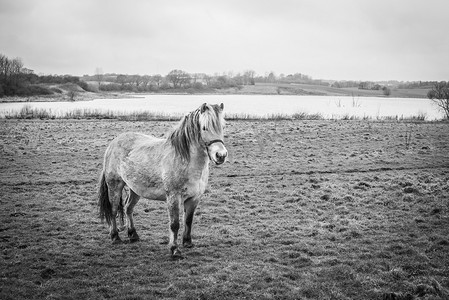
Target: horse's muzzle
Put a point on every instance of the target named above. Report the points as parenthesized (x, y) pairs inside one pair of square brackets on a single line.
[(220, 158), (217, 151)]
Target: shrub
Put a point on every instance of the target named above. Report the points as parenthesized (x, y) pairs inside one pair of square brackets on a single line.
[(92, 88), (72, 94), (198, 86), (56, 90), (33, 90), (165, 86), (110, 87), (27, 112), (84, 85), (154, 88)]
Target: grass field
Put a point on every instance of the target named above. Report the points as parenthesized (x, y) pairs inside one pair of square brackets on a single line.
[(310, 89), (303, 210)]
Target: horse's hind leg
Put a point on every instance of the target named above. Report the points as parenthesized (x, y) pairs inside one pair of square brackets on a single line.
[(115, 195), (189, 210), (131, 201), (125, 199)]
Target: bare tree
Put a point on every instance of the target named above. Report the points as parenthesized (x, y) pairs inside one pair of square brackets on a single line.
[(208, 79), (271, 77), (121, 79), (10, 68), (4, 67), (3, 60), (72, 93), (195, 77), (439, 94), (146, 79), (16, 66), (248, 77), (178, 78), (136, 79), (157, 79)]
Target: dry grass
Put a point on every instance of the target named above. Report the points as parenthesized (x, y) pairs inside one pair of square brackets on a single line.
[(303, 210), (310, 89), (28, 112)]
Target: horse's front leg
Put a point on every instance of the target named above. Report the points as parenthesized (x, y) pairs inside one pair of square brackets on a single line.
[(189, 209), (173, 215)]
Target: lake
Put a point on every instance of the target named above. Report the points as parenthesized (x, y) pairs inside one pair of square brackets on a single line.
[(258, 105)]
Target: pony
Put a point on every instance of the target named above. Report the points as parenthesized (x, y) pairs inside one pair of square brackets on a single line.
[(174, 169)]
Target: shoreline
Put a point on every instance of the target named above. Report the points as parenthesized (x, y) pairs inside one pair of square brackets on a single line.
[(86, 98), (29, 113)]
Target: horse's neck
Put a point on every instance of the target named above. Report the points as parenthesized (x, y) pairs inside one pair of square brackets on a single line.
[(198, 156)]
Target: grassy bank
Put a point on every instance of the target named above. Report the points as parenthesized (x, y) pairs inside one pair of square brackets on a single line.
[(28, 112)]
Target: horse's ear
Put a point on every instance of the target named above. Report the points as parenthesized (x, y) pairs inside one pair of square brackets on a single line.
[(221, 106), (203, 107)]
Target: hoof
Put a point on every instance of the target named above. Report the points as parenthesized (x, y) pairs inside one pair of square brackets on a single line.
[(176, 254), (133, 236), (116, 242), (116, 239), (134, 239)]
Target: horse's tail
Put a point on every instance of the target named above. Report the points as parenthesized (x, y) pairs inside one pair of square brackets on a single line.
[(105, 204), (103, 200)]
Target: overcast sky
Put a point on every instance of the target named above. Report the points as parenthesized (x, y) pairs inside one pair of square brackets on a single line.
[(348, 39)]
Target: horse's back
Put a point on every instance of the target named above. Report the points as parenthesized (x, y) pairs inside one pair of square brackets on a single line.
[(121, 147), (130, 140)]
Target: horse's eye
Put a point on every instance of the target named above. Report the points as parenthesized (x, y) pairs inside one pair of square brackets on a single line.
[(204, 128)]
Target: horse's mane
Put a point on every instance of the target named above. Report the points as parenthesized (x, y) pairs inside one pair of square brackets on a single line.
[(188, 131)]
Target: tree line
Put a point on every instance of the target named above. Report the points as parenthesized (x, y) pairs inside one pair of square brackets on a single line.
[(16, 80), (174, 80), (195, 82)]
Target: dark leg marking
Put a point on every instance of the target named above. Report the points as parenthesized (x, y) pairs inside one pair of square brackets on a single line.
[(133, 236), (115, 238), (189, 210), (187, 238)]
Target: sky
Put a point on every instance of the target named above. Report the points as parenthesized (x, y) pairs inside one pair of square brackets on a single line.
[(404, 40)]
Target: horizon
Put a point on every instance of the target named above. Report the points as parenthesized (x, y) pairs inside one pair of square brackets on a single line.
[(237, 73), (347, 40)]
